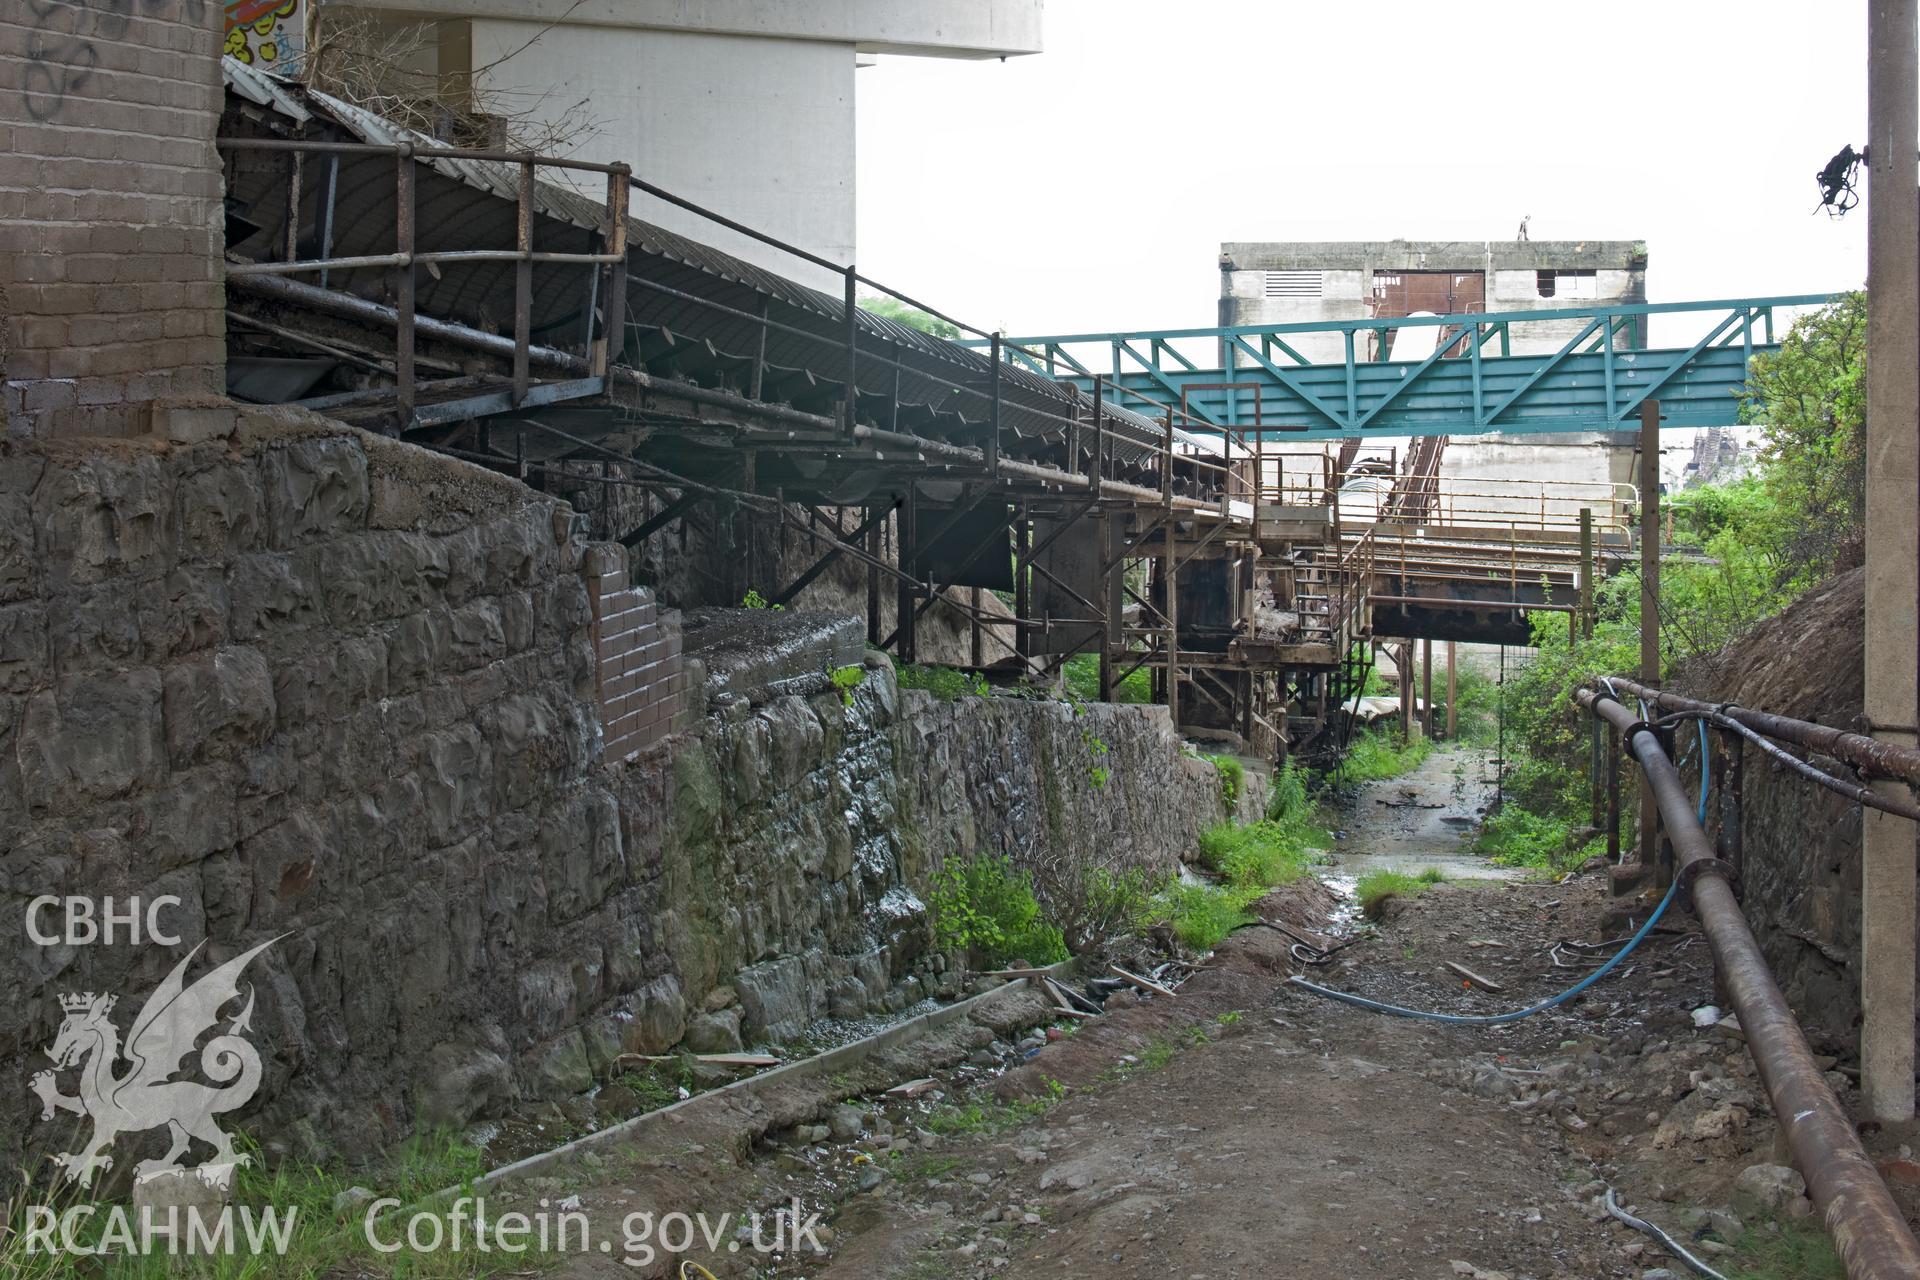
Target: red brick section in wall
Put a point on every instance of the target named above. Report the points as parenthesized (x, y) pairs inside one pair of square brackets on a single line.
[(637, 656), (111, 228)]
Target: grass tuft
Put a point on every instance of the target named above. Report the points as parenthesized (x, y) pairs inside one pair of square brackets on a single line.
[(1378, 754), (944, 683), (1233, 779), (1201, 915), (1783, 1251), (1260, 855), (1376, 887)]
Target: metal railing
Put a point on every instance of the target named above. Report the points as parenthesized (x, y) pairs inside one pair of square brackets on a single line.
[(858, 351), (1866, 1223), (408, 254), (1469, 502), (1257, 376)]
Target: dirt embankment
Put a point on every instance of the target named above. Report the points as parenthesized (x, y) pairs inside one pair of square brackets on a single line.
[(1806, 661), (1800, 844)]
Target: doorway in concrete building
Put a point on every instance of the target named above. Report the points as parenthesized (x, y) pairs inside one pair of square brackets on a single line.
[(1440, 293)]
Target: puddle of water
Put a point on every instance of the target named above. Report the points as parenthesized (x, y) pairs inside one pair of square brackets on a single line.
[(1422, 819)]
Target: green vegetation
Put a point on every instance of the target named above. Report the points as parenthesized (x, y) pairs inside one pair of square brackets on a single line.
[(1233, 778), (984, 906), (1476, 709), (754, 600), (944, 683), (1739, 553), (1201, 915), (989, 1117), (1811, 397), (1376, 887), (1783, 1251), (1107, 902), (1514, 837), (1287, 798), (301, 1198), (1377, 754), (1097, 773), (657, 1084), (1082, 674), (847, 679), (1260, 855), (910, 316), (1250, 860)]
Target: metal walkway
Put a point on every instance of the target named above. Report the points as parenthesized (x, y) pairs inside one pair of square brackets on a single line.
[(1160, 517), (1469, 382)]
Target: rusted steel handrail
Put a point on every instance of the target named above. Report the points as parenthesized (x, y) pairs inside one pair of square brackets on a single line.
[(499, 156), (1870, 755), (1856, 1207), (407, 254)]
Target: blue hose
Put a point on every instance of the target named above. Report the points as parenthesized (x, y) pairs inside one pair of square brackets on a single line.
[(1483, 1019)]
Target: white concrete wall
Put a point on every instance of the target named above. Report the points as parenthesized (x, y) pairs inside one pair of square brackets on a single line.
[(1343, 296), (1520, 291), (759, 129), (931, 28)]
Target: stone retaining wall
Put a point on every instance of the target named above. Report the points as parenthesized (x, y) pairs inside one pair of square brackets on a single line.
[(335, 692)]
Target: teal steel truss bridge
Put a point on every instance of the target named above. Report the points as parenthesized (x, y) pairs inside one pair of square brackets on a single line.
[(1466, 379)]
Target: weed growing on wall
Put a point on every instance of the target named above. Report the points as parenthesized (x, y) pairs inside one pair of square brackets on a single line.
[(985, 906), (944, 683), (846, 680), (1233, 778)]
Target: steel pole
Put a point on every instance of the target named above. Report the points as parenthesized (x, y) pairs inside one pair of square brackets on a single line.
[(1647, 849), (1453, 718)]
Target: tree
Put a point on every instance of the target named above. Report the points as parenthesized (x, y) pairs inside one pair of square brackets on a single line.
[(912, 317), (1810, 398)]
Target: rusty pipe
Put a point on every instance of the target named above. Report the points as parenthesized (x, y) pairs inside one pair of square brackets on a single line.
[(1855, 1205), (349, 306), (1881, 759)]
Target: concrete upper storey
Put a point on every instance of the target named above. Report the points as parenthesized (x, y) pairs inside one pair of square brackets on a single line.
[(1432, 255), (745, 107), (927, 28), (1287, 282)]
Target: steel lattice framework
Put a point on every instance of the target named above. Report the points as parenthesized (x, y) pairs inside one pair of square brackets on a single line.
[(1470, 382)]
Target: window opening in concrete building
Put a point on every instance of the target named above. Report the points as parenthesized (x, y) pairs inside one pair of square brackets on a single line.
[(1567, 283)]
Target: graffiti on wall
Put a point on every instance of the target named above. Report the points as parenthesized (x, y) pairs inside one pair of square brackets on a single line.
[(265, 33)]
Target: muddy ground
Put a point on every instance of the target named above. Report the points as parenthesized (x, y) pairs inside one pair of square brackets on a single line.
[(1245, 1127)]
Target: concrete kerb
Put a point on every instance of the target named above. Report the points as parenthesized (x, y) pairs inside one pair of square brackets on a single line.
[(832, 1060)]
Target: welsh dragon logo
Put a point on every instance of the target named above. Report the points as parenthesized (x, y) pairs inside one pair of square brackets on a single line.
[(145, 1096)]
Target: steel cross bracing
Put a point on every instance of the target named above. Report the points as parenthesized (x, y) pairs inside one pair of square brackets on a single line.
[(1594, 381), (1152, 516)]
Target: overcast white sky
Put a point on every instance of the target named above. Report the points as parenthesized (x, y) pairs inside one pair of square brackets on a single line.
[(1089, 187)]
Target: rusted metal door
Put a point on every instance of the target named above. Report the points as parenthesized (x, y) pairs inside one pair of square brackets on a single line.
[(1443, 293)]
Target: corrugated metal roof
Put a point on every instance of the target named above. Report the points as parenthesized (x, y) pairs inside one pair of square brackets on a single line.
[(692, 337), (262, 88)]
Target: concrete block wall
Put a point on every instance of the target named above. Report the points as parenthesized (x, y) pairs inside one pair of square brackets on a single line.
[(110, 211), (637, 662)]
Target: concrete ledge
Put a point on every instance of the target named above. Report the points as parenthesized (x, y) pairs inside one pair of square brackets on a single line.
[(833, 1060), (761, 654)]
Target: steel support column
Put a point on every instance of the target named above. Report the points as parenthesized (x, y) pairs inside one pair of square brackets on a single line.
[(1648, 848)]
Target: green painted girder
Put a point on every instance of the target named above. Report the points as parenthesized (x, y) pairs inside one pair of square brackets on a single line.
[(1591, 383)]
